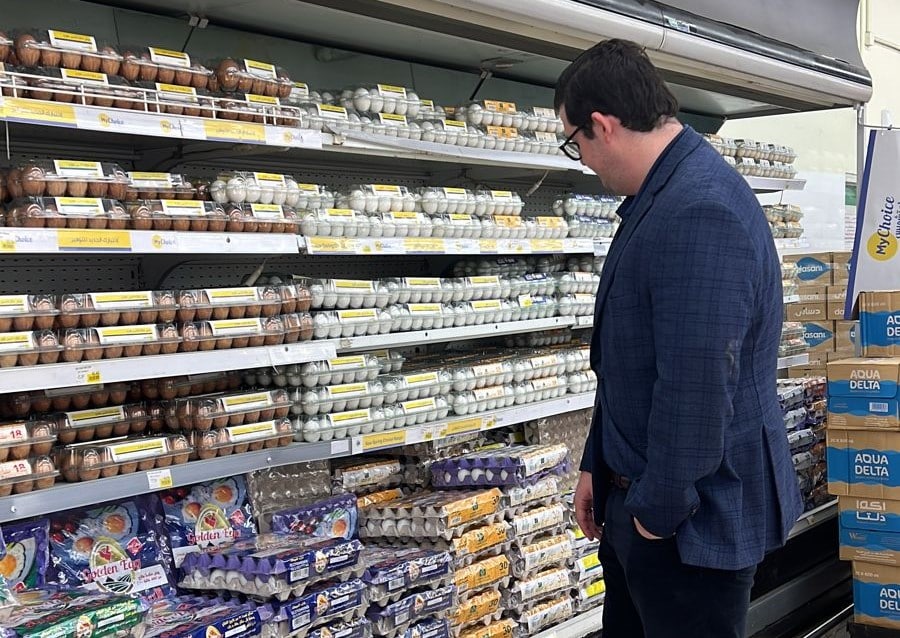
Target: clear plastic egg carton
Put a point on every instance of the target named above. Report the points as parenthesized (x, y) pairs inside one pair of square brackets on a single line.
[(492, 113), (542, 120), (340, 425), (532, 284), (545, 614), (391, 573), (547, 551), (480, 610), (791, 330), (341, 294), (482, 400), (590, 596), (429, 514), (441, 130), (468, 375), (461, 226), (350, 476), (415, 385), (577, 305), (419, 316), (419, 290), (381, 98), (272, 565), (539, 340), (526, 593), (585, 263), (509, 466), (350, 369), (477, 313), (590, 206), (493, 572), (378, 198), (581, 382), (539, 365), (541, 390), (342, 602), (337, 398), (791, 347), (241, 187), (338, 222), (590, 228), (536, 307), (437, 200), (498, 203), (387, 124), (333, 324), (394, 619)]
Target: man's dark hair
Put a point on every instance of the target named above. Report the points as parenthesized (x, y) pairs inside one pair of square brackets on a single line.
[(614, 77)]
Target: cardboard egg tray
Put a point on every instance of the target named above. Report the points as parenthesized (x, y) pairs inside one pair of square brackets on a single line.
[(590, 595), (494, 572), (392, 573), (358, 628), (474, 545), (517, 498), (351, 476), (394, 619), (182, 616), (482, 609), (509, 466), (551, 612), (338, 602), (272, 565), (547, 552), (500, 629), (539, 520), (528, 592)]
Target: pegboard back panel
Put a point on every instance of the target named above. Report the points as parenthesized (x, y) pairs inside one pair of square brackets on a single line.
[(60, 274)]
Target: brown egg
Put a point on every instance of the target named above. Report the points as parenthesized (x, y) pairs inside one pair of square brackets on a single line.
[(118, 187), (149, 389), (80, 401), (4, 48), (14, 183), (218, 222), (111, 318), (239, 312), (108, 465), (56, 187), (43, 437), (30, 359), (89, 319), (62, 404), (128, 468), (74, 347), (42, 467), (271, 88), (4, 454), (118, 395), (180, 446), (212, 83), (130, 68), (40, 94), (70, 97), (199, 76), (141, 217), (110, 62), (307, 327), (41, 403), (235, 220), (26, 50), (93, 352), (91, 63), (166, 76), (77, 188), (85, 434), (224, 343), (98, 222), (98, 189), (227, 75), (6, 324), (19, 452), (132, 350), (255, 446), (240, 342), (220, 312), (181, 225), (33, 180), (68, 60), (23, 487), (148, 69), (100, 398), (22, 324), (183, 77), (224, 443), (206, 445), (104, 431), (50, 58), (240, 448)]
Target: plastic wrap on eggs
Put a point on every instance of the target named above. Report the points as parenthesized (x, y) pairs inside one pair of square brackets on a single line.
[(431, 514), (393, 619), (71, 178), (256, 188), (513, 466), (333, 324), (63, 212), (390, 573), (546, 614), (340, 605), (382, 98), (330, 294), (379, 198), (550, 582), (591, 228), (72, 51), (593, 206)]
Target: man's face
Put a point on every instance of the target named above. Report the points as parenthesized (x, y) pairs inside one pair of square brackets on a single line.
[(594, 155)]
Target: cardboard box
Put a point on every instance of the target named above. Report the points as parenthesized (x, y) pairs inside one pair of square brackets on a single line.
[(819, 336), (812, 294), (818, 359), (836, 298), (863, 463), (869, 530), (805, 372), (812, 268), (840, 267), (846, 336), (804, 312), (841, 355), (863, 394), (876, 595), (879, 320)]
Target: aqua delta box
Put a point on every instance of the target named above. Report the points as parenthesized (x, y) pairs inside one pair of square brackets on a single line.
[(863, 463), (879, 321), (876, 595), (870, 530), (863, 394)]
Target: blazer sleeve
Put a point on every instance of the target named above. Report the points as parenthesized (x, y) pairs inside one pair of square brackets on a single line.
[(701, 298)]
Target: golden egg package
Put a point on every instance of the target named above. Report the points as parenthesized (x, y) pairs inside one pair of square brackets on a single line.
[(27, 557)]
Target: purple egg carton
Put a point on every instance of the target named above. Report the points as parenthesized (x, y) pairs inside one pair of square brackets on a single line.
[(391, 572), (437, 628), (272, 565), (396, 617), (192, 616), (507, 466), (335, 517), (333, 602), (359, 628), (802, 440)]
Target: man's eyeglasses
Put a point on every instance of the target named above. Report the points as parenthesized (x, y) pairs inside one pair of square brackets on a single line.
[(570, 147)]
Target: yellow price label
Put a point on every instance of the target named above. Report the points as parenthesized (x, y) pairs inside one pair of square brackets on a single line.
[(93, 377), (547, 245), (423, 245), (464, 426), (19, 110), (595, 589), (387, 439), (330, 244), (7, 245), (508, 221), (502, 107), (221, 131), (488, 245), (549, 222), (506, 132), (93, 239)]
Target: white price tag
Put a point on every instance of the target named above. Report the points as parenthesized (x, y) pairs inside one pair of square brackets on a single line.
[(160, 479)]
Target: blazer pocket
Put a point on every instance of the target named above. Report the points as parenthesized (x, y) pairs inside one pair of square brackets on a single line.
[(624, 304)]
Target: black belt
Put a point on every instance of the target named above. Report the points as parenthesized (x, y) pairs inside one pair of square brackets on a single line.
[(622, 482)]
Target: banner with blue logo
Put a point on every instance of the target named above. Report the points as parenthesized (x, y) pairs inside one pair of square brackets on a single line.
[(876, 259)]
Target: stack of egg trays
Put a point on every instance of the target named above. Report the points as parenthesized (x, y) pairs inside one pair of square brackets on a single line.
[(434, 515), (359, 628), (542, 552), (549, 612), (539, 521), (394, 619), (500, 629), (330, 602), (486, 541), (428, 628), (479, 610), (527, 593), (364, 477), (482, 575), (590, 595), (272, 565), (393, 574), (509, 466)]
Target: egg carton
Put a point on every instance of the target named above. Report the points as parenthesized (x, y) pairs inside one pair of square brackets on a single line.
[(581, 382), (433, 514), (587, 568), (273, 565), (577, 305), (337, 398), (426, 527), (528, 592), (357, 628), (67, 178), (546, 614), (238, 439), (538, 520), (520, 463), (229, 303), (24, 475), (586, 227), (538, 340), (232, 333), (349, 475), (428, 628), (101, 423), (421, 316), (53, 48), (104, 459), (340, 222), (342, 602), (587, 206), (569, 283), (20, 440), (549, 551), (249, 76), (516, 499), (462, 226), (243, 187), (341, 294), (500, 629), (337, 371), (219, 411), (493, 573), (198, 616), (392, 574), (393, 619), (590, 594), (802, 440), (382, 98), (67, 212), (482, 609), (334, 324), (444, 130), (379, 198), (365, 421)]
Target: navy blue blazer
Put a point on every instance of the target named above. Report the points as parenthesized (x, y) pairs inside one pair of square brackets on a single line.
[(685, 344)]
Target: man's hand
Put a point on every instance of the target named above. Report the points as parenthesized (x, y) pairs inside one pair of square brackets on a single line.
[(584, 506), (643, 531)]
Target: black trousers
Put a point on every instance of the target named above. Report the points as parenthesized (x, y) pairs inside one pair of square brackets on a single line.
[(650, 593)]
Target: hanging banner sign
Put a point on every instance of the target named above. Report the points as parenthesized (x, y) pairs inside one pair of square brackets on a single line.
[(876, 258)]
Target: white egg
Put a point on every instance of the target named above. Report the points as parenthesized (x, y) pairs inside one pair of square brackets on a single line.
[(218, 191), (361, 100), (236, 190), (253, 190), (267, 195)]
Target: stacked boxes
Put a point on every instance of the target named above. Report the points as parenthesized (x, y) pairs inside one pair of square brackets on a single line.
[(803, 407), (863, 460), (879, 317)]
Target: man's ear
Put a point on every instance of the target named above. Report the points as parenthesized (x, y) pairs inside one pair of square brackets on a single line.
[(604, 125)]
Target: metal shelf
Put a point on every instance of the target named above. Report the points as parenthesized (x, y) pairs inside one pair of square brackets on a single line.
[(793, 360), (774, 184), (65, 496), (64, 375), (441, 335), (442, 246), (590, 622), (48, 240), (814, 518)]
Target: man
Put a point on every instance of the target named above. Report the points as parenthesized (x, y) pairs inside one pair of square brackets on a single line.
[(686, 474)]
